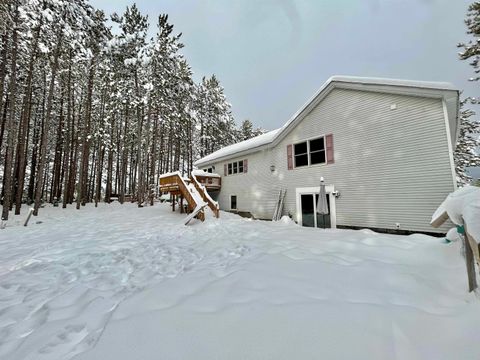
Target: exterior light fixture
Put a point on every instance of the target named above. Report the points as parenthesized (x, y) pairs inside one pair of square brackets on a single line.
[(272, 168)]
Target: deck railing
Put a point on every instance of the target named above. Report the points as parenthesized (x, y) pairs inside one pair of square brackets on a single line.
[(210, 181), (203, 192), (175, 182)]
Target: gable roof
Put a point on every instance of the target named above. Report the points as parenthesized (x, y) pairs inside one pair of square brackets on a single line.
[(443, 90)]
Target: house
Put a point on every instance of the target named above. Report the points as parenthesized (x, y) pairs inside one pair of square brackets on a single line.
[(383, 146)]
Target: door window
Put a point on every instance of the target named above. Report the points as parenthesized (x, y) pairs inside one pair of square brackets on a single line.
[(310, 218), (308, 210), (233, 202), (323, 221)]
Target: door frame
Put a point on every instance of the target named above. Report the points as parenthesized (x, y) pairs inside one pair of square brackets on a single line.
[(230, 202), (329, 189)]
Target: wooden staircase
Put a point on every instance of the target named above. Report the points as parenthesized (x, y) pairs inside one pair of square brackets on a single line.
[(192, 191), (213, 205)]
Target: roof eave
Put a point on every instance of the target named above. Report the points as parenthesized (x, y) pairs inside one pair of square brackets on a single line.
[(406, 88), (231, 156)]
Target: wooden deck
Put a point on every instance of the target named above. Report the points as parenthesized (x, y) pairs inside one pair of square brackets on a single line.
[(178, 187), (202, 190), (211, 183)]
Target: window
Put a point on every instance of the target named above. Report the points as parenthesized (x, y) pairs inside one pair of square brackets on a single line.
[(301, 154), (310, 152), (208, 170), (237, 167), (233, 202), (317, 151), (310, 218)]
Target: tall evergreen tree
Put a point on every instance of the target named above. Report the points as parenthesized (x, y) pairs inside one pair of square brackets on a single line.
[(247, 129), (88, 114), (467, 152)]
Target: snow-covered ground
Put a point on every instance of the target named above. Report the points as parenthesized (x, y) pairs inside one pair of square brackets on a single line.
[(119, 282)]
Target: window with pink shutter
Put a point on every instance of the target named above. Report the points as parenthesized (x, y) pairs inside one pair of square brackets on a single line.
[(289, 157), (329, 146), (311, 152)]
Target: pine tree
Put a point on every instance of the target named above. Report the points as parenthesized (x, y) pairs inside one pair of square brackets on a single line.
[(94, 114), (466, 152), (247, 129), (259, 131), (471, 49)]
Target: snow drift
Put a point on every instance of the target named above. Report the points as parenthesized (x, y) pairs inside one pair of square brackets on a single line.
[(121, 282)]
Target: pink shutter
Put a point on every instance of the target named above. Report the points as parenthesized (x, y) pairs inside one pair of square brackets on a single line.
[(329, 146), (245, 165), (289, 157), (224, 169)]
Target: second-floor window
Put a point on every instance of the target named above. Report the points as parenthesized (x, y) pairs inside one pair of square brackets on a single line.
[(310, 152), (236, 167)]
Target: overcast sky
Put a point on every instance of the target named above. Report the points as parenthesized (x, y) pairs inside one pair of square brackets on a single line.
[(272, 55)]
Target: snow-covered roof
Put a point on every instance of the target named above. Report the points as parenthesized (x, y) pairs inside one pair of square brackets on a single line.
[(199, 172), (249, 144), (393, 82), (256, 143)]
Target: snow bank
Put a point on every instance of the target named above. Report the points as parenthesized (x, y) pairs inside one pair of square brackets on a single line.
[(286, 220), (453, 235), (198, 172), (463, 206), (122, 282)]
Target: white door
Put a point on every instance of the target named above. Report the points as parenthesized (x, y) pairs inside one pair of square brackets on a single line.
[(307, 199)]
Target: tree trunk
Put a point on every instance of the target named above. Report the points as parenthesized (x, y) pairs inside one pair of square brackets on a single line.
[(46, 124), (82, 176), (4, 119), (57, 160), (24, 120), (139, 167), (3, 70), (7, 173), (98, 187), (123, 171)]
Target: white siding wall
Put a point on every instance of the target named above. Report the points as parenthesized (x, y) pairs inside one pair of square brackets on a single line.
[(256, 190), (391, 166)]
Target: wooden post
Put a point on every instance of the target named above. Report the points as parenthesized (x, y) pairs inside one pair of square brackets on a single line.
[(472, 280), (471, 255), (472, 250), (30, 212), (181, 204)]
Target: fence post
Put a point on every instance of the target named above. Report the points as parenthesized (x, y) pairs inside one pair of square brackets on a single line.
[(30, 212), (470, 259)]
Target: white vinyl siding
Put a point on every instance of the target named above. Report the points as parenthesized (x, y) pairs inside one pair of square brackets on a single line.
[(391, 166)]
